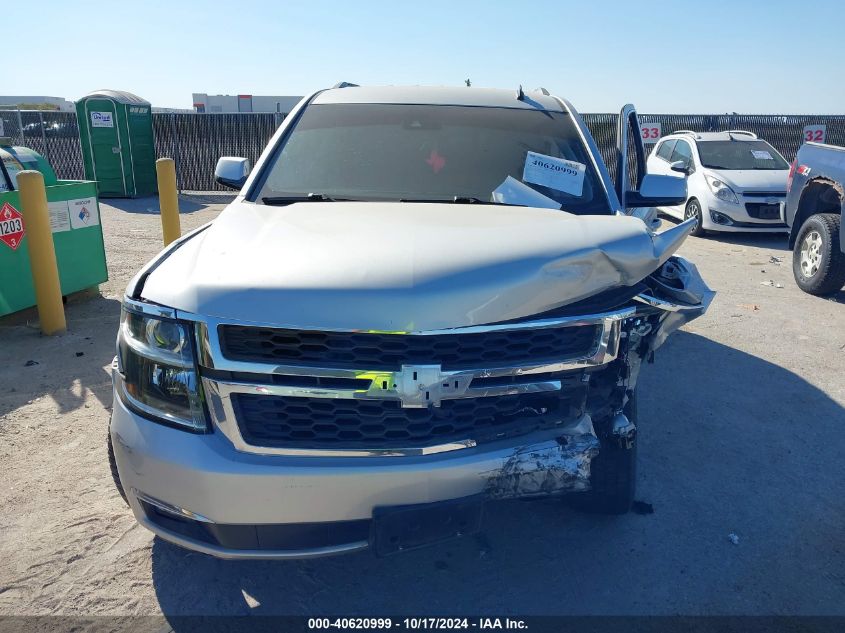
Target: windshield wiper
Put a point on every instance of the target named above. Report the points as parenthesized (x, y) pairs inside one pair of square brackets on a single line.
[(458, 200), (280, 201)]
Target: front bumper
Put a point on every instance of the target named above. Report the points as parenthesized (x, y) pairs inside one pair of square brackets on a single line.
[(175, 479), (742, 222)]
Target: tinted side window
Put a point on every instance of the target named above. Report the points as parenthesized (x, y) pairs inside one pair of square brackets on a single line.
[(665, 149), (683, 153)]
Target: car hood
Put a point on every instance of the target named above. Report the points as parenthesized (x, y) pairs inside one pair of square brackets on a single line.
[(752, 179), (401, 266)]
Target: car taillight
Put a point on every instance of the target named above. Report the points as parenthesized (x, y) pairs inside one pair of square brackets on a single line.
[(789, 177)]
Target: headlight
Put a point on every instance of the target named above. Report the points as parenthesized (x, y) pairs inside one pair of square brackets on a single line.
[(721, 190), (157, 373)]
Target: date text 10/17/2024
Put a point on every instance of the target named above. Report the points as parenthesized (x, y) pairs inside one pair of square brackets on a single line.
[(417, 623)]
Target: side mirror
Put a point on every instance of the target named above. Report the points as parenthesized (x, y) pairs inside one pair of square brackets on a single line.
[(657, 190), (232, 171), (681, 167)]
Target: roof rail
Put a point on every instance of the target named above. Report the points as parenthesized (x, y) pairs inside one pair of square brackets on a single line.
[(542, 91), (743, 132), (345, 84)]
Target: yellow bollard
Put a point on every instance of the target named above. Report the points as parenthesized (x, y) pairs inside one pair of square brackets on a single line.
[(168, 199), (42, 252)]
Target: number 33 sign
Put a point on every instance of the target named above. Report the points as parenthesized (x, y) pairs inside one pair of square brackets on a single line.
[(814, 133), (651, 132)]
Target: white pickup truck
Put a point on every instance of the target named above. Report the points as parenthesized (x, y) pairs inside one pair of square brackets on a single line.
[(421, 300)]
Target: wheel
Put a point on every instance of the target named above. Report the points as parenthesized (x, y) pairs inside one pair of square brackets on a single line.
[(693, 210), (818, 263), (113, 466), (613, 473)]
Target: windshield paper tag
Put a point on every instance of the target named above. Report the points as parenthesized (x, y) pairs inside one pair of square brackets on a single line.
[(512, 191), (761, 154), (556, 173)]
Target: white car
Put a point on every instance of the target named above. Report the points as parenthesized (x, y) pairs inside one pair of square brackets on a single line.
[(735, 181)]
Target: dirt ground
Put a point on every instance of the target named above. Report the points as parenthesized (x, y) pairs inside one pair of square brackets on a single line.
[(742, 433)]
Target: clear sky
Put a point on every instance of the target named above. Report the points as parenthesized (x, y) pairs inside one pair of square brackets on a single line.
[(711, 56)]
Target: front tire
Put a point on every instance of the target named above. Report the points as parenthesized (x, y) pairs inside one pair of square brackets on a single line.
[(613, 473), (693, 210), (818, 263)]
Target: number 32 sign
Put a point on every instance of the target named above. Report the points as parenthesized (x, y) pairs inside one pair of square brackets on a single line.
[(814, 133), (651, 132)]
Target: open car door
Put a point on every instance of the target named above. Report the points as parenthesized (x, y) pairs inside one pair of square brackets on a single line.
[(640, 192)]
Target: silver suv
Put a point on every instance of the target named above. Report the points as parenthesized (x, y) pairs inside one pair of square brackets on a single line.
[(421, 300)]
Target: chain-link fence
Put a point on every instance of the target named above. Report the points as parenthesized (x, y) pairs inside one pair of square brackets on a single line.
[(54, 135), (784, 132), (196, 141)]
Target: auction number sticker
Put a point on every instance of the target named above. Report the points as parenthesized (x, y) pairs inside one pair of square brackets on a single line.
[(651, 132), (556, 173), (815, 133)]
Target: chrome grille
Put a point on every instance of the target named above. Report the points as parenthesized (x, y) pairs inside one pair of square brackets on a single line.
[(379, 351), (300, 392), (279, 421)]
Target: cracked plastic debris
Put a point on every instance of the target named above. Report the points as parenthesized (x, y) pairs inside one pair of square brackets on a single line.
[(556, 466), (679, 281)]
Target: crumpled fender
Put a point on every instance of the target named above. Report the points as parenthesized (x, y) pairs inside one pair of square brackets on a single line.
[(677, 289)]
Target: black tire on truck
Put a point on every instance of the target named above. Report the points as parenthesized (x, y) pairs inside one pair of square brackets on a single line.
[(613, 473), (818, 262), (113, 466), (693, 210)]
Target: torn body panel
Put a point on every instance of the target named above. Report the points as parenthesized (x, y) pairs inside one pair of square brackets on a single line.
[(554, 467), (679, 293), (676, 295)]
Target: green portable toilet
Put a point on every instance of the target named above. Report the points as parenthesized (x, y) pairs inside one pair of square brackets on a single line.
[(118, 148)]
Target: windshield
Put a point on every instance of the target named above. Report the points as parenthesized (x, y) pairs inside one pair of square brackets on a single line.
[(433, 152), (740, 155)]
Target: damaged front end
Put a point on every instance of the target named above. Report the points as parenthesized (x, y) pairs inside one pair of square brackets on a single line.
[(671, 296)]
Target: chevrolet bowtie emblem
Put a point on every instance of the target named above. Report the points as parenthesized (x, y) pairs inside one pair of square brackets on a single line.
[(422, 386)]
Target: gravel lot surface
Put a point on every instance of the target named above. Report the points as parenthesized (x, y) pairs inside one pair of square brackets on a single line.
[(742, 432)]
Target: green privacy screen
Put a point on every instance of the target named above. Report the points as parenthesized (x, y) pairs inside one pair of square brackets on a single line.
[(77, 235)]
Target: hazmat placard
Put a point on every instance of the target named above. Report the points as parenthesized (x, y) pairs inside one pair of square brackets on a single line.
[(102, 119), (59, 216), (11, 226), (83, 213)]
